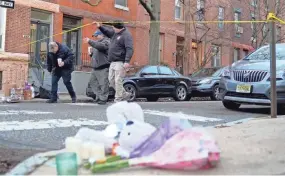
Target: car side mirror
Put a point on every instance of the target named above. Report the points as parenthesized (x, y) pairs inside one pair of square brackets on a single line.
[(143, 74)]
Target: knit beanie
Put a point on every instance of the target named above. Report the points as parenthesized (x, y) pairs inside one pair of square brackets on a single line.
[(118, 24)]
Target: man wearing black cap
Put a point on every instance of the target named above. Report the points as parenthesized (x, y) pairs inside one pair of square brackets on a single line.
[(120, 54), (99, 76)]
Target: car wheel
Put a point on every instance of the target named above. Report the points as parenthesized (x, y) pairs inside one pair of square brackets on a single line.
[(181, 94), (215, 93), (131, 89), (152, 98), (231, 105)]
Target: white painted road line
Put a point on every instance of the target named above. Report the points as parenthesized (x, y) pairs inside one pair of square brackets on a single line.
[(23, 112), (47, 124), (181, 115), (82, 104)]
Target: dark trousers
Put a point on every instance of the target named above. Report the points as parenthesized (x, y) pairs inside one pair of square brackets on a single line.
[(66, 77)]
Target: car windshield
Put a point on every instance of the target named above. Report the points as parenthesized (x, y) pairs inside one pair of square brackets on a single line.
[(218, 72), (263, 53)]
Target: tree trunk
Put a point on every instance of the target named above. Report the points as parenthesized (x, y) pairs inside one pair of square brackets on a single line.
[(154, 36), (187, 36)]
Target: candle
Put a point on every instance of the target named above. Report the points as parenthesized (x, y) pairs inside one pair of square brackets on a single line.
[(73, 145), (85, 151), (98, 151)]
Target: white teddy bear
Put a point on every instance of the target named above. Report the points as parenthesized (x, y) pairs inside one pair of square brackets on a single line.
[(127, 127)]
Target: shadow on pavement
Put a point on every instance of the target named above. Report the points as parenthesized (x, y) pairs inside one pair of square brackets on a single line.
[(260, 110)]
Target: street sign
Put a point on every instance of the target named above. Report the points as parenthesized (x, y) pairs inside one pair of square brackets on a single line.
[(7, 4)]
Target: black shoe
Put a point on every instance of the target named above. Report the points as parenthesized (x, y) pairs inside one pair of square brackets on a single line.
[(51, 101), (100, 102), (74, 100)]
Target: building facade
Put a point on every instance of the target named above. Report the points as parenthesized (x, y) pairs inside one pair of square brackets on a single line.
[(212, 44)]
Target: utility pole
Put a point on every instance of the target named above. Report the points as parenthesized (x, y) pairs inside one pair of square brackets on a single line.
[(187, 37), (273, 93)]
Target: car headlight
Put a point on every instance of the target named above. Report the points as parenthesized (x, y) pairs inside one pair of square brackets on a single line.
[(205, 81), (280, 75), (226, 73)]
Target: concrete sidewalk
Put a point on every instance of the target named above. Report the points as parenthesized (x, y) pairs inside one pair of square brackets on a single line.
[(63, 98), (254, 147)]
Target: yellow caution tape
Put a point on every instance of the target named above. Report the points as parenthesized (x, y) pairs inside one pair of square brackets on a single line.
[(270, 17)]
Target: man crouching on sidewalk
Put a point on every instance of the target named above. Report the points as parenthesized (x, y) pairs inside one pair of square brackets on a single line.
[(99, 77)]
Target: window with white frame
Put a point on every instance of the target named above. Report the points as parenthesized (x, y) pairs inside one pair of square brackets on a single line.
[(237, 18), (200, 10), (216, 55), (221, 18), (178, 10), (122, 3)]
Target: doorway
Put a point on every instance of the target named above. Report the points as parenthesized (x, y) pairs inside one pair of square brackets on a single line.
[(40, 32), (179, 54), (70, 39)]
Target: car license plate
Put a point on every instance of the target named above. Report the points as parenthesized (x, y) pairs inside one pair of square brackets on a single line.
[(243, 88)]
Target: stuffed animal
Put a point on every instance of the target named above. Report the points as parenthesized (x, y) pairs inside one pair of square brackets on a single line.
[(134, 133), (127, 127)]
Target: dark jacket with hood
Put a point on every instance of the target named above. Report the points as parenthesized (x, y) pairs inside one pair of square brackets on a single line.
[(121, 46), (100, 53), (65, 54)]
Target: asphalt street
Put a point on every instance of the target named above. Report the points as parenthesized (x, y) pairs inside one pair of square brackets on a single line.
[(45, 126)]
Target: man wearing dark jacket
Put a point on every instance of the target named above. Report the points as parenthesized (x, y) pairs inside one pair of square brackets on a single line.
[(99, 76), (119, 54), (60, 64)]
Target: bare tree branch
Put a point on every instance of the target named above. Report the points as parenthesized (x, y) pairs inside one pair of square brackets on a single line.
[(148, 9)]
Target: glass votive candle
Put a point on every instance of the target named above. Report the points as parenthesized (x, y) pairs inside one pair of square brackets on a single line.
[(66, 164)]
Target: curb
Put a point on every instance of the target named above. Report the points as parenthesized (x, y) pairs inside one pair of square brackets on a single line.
[(59, 101), (229, 124)]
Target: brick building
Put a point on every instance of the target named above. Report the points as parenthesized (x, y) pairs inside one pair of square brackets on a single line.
[(212, 45)]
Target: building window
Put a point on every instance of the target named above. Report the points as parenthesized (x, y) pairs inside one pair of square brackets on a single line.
[(200, 10), (252, 19), (1, 79), (237, 18), (277, 9), (178, 10), (265, 32), (236, 54), (121, 4), (221, 17), (40, 29), (216, 55), (254, 3), (71, 38), (278, 34)]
